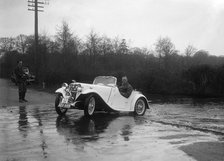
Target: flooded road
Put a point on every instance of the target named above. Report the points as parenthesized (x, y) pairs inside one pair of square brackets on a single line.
[(33, 131)]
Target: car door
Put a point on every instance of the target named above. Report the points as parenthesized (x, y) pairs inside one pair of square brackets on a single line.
[(117, 101), (103, 91)]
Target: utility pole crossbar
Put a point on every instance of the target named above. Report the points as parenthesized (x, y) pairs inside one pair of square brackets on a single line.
[(34, 6), (34, 10)]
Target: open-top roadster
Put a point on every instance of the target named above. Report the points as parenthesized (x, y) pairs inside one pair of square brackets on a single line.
[(102, 95)]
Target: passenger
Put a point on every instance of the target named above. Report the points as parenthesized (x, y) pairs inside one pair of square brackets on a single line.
[(125, 89)]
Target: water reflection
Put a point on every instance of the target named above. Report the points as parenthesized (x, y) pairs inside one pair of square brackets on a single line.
[(23, 123), (83, 129), (43, 145), (126, 131)]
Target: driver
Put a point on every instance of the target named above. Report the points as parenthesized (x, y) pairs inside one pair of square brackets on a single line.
[(125, 89)]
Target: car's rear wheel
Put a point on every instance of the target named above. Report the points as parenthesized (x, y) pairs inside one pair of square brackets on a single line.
[(60, 110), (90, 105), (140, 107)]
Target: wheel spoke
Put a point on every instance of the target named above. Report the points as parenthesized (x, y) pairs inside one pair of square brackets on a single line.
[(91, 106), (140, 107)]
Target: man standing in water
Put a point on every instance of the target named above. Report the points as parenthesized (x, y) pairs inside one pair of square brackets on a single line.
[(125, 89), (21, 78)]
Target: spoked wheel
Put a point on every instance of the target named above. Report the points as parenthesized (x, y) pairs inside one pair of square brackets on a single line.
[(90, 105), (59, 110), (140, 107)]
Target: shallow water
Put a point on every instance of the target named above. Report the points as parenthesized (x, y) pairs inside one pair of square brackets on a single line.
[(35, 132), (202, 116)]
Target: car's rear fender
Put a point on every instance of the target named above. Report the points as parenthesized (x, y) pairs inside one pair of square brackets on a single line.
[(136, 97)]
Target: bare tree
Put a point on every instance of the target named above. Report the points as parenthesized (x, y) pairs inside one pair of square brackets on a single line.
[(164, 47), (106, 45), (7, 44), (190, 50), (116, 43), (21, 43)]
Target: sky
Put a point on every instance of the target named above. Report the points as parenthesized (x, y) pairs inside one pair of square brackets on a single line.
[(199, 23)]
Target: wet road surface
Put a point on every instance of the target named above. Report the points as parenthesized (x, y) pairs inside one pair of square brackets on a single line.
[(34, 132)]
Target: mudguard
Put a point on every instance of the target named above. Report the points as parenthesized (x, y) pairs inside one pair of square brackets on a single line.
[(102, 94), (136, 97), (62, 91)]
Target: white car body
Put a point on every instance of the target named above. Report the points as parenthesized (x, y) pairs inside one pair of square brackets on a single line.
[(105, 89)]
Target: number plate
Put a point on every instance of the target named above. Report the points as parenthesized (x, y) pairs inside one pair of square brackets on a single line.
[(64, 105), (64, 100)]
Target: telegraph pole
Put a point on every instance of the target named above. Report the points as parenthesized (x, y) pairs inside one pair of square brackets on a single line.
[(36, 6)]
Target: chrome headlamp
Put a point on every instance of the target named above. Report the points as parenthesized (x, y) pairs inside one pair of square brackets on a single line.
[(64, 85), (79, 88)]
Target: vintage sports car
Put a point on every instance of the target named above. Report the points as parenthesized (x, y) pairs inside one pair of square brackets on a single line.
[(102, 95)]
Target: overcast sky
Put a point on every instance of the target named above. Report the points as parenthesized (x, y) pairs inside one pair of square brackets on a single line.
[(186, 22)]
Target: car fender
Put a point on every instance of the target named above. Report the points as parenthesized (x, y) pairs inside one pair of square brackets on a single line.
[(135, 98), (98, 95), (62, 91)]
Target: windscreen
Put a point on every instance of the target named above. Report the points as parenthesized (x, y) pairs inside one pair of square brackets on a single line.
[(110, 81)]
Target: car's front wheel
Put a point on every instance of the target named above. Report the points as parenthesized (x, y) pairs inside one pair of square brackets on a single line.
[(140, 107), (59, 110), (90, 105)]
